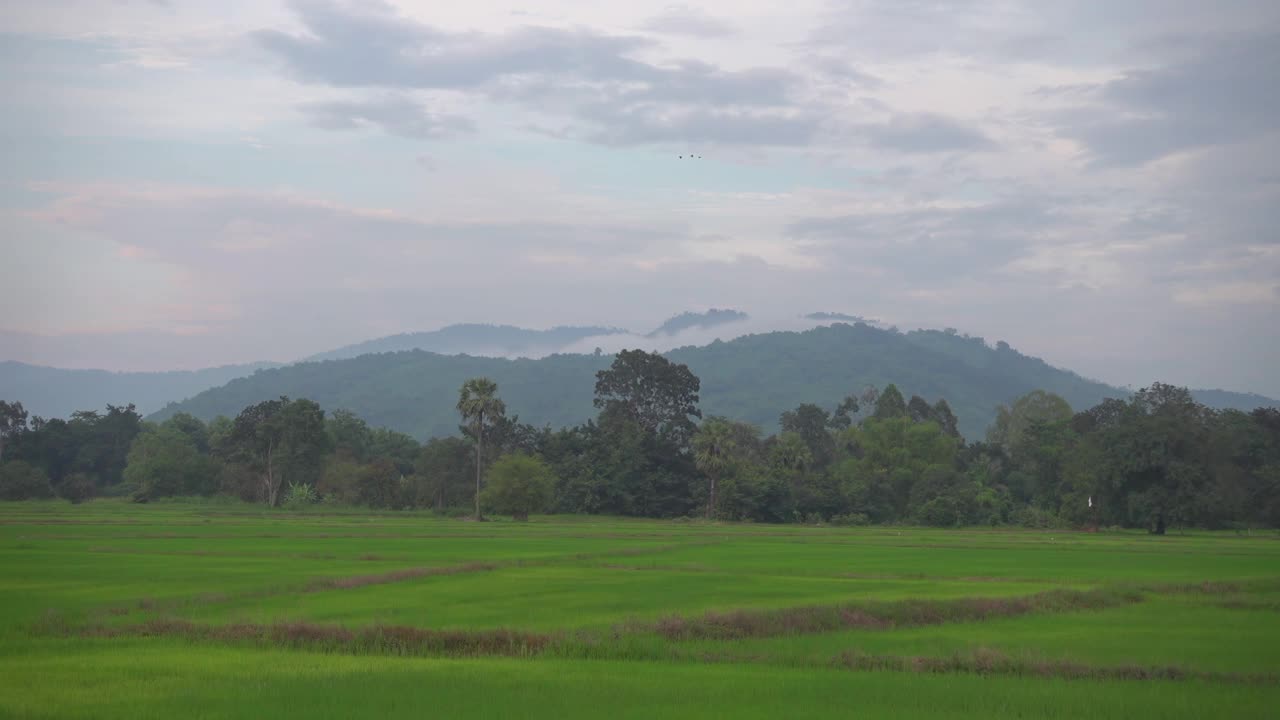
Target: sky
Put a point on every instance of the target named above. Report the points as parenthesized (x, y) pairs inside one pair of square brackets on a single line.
[(189, 183)]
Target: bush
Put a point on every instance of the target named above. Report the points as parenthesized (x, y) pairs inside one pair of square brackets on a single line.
[(1034, 517), (939, 512), (77, 488), (851, 520), (518, 485), (300, 495), (22, 481)]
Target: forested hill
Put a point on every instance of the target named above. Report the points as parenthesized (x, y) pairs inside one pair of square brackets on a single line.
[(753, 378), (56, 392)]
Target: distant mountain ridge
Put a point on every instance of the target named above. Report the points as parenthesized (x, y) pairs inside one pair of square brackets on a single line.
[(753, 378), (55, 392), (474, 339), (691, 321)]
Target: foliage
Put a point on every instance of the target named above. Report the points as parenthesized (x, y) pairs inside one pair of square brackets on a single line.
[(480, 407), (165, 461), (519, 485), (23, 481), (1157, 460), (658, 395), (753, 379), (300, 495)]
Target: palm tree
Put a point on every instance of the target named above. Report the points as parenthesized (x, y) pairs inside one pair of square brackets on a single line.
[(477, 401), (713, 453)]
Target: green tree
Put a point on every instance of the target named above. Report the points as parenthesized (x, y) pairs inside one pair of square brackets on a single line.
[(349, 435), (714, 452), (519, 484), (811, 423), (946, 419), (281, 438), (380, 484), (478, 403), (441, 472), (23, 481), (1013, 422), (164, 461), (13, 421), (659, 395), (918, 409), (191, 426), (890, 404)]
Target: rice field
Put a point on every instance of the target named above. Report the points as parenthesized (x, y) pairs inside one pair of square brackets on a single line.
[(226, 611)]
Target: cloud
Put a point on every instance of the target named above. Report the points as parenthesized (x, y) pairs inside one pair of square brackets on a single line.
[(685, 20), (396, 115), (1210, 91), (924, 133), (590, 79)]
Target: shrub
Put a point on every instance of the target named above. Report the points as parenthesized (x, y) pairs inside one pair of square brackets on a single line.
[(77, 488), (851, 520), (22, 481), (518, 485), (300, 495)]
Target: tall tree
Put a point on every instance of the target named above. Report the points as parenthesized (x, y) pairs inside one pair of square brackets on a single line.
[(947, 419), (918, 409), (1013, 422), (811, 423), (13, 420), (890, 404), (659, 395), (281, 438), (713, 452), (478, 403)]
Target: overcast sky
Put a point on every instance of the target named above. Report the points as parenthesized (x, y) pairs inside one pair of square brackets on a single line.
[(198, 183)]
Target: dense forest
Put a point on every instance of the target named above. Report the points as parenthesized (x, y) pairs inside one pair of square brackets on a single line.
[(753, 378), (1155, 459)]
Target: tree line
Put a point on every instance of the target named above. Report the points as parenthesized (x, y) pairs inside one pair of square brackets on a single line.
[(1156, 459)]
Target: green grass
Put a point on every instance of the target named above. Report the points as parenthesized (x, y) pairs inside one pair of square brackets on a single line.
[(77, 582)]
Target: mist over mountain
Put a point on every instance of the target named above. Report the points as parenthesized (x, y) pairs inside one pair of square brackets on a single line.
[(698, 321), (475, 339), (56, 392)]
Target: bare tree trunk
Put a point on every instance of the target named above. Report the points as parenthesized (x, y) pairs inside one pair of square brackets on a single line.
[(711, 499), (479, 457), (272, 490)]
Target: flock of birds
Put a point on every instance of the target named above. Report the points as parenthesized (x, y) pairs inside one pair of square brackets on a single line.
[(691, 157)]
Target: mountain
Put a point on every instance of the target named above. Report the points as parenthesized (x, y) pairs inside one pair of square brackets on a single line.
[(474, 339), (753, 378), (692, 320), (1228, 400), (54, 392)]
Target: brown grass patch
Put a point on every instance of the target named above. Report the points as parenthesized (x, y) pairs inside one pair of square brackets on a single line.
[(394, 576), (379, 639), (736, 624), (993, 662)]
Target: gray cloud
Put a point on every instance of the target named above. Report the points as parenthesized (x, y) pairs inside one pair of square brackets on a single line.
[(396, 115), (684, 20), (932, 245), (586, 76), (1210, 91), (1063, 33), (924, 133), (347, 47)]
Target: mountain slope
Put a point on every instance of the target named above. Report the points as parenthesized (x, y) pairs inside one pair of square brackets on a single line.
[(753, 378), (691, 320), (473, 339), (54, 392)]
